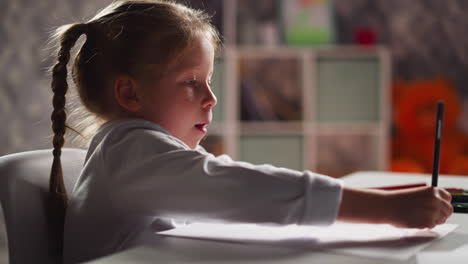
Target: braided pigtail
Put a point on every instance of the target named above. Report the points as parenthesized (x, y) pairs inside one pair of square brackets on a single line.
[(57, 193)]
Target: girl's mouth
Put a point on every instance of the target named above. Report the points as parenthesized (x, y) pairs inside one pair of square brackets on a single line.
[(202, 127)]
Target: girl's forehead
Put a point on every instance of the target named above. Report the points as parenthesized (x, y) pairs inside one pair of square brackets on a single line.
[(198, 56)]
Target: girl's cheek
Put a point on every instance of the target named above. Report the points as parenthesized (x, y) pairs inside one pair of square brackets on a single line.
[(189, 94)]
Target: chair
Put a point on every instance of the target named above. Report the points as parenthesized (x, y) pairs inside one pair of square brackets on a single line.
[(24, 185)]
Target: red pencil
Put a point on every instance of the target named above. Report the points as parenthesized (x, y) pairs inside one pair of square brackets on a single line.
[(399, 187)]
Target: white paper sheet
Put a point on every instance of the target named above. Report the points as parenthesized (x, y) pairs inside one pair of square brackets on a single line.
[(371, 240), (442, 257), (459, 255)]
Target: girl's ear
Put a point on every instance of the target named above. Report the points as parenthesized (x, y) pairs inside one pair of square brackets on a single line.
[(126, 93)]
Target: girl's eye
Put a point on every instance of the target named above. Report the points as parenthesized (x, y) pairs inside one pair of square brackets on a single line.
[(192, 83)]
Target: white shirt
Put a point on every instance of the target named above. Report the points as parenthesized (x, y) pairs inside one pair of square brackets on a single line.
[(138, 179)]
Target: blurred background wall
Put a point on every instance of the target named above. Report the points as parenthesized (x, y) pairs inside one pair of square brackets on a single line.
[(429, 51), (427, 40)]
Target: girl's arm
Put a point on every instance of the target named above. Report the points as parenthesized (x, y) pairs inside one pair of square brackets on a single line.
[(147, 173), (415, 208)]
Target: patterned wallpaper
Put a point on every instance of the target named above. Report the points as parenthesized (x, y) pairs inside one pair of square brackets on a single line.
[(426, 38), (25, 96)]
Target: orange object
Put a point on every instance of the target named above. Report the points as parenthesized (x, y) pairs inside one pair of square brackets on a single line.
[(407, 165), (415, 109), (458, 166), (414, 116)]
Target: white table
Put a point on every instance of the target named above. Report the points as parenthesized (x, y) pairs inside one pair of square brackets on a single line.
[(180, 250)]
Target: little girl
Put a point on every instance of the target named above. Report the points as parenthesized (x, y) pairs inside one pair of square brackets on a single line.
[(145, 71)]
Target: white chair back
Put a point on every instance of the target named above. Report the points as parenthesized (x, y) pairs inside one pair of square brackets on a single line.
[(24, 186)]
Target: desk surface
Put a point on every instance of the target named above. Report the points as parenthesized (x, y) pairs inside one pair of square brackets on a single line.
[(180, 250)]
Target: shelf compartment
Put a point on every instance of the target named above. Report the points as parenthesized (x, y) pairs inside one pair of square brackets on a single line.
[(348, 89), (280, 150), (270, 87)]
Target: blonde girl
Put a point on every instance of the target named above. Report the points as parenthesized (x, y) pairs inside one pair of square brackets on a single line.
[(144, 70)]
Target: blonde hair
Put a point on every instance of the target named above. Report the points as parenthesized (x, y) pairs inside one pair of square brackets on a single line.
[(136, 38)]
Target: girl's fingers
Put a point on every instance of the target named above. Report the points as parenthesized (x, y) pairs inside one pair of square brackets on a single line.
[(445, 195), (441, 217), (441, 220), (447, 208)]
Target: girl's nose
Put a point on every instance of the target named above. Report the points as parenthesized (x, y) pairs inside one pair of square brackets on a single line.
[(210, 99)]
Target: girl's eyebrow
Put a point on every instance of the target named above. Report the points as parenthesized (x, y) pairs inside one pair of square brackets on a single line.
[(187, 73), (192, 72)]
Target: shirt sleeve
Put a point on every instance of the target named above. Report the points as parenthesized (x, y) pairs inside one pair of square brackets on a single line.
[(152, 174)]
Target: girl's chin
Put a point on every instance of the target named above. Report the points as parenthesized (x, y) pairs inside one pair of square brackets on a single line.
[(194, 143)]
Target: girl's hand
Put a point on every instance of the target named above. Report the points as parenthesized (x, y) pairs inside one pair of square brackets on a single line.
[(423, 207)]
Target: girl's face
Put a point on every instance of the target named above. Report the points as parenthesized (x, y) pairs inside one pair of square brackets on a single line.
[(181, 101)]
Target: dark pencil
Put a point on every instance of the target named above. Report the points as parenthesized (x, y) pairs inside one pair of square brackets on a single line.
[(438, 136)]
